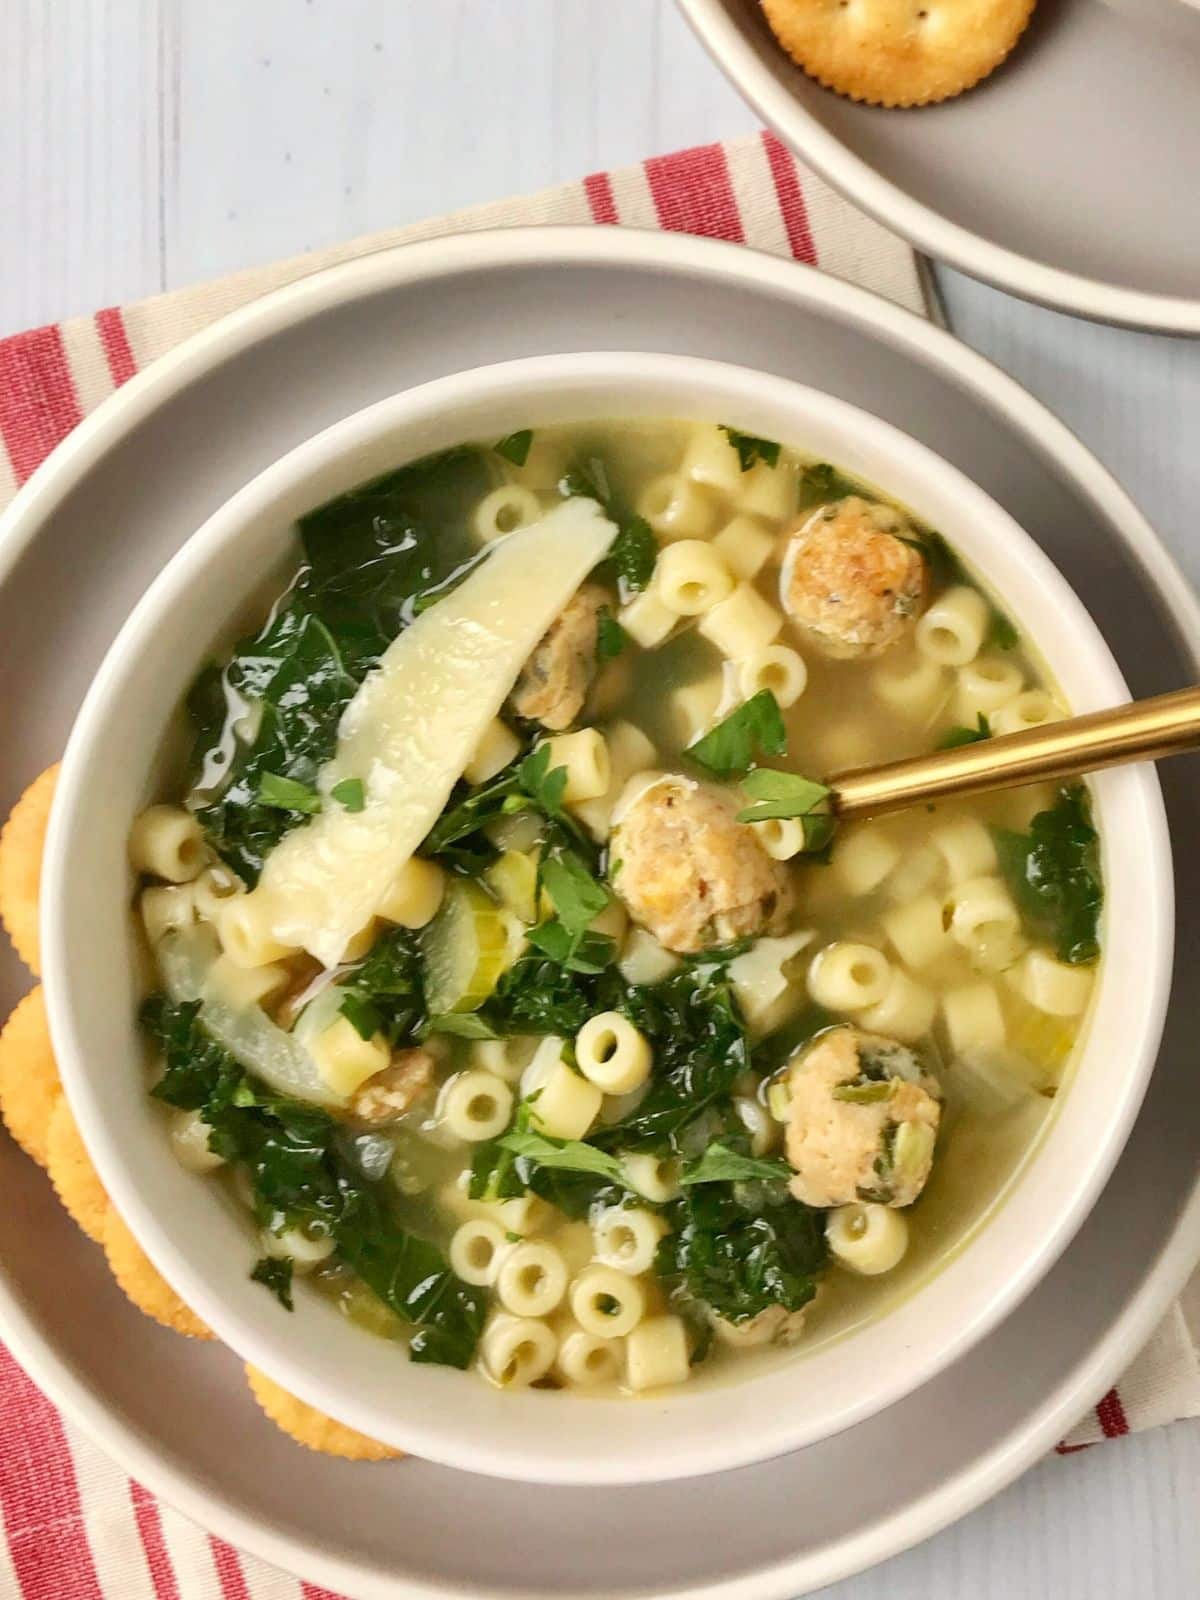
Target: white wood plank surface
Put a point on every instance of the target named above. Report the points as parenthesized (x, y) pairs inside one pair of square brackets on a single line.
[(145, 144)]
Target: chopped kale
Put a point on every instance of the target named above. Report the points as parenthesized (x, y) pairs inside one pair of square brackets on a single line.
[(751, 449), (821, 484), (383, 993), (275, 1274), (1054, 874), (722, 1164)]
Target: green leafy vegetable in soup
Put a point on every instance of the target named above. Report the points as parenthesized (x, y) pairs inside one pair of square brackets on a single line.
[(527, 998)]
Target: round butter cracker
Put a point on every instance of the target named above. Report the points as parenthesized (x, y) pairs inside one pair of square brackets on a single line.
[(21, 843), (29, 1083), (312, 1428), (75, 1179), (898, 52), (143, 1283)]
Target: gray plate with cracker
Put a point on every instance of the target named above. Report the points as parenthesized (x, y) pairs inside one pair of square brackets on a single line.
[(80, 544), (1067, 177)]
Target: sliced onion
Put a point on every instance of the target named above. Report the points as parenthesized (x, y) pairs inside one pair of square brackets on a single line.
[(278, 1058)]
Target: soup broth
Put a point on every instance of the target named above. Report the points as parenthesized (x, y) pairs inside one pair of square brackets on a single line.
[(578, 1045)]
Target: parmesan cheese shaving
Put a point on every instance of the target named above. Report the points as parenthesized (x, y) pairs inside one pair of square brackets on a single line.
[(414, 724)]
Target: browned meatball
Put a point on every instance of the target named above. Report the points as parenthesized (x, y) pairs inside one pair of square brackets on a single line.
[(390, 1093), (862, 1120), (692, 874), (852, 586), (554, 682)]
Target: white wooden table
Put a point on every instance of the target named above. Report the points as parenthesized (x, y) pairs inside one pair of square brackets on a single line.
[(145, 144)]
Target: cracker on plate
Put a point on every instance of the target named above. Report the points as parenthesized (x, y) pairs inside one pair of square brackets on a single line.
[(312, 1428), (75, 1179), (142, 1281), (898, 52), (29, 1083), (21, 843)]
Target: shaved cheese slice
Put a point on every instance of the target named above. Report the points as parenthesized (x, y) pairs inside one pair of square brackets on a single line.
[(414, 724)]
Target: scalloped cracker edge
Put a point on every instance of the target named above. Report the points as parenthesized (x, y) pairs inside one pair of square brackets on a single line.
[(21, 844), (30, 1089), (143, 1283), (312, 1428)]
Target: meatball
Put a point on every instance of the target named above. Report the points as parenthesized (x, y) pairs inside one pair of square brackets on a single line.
[(851, 585), (554, 682), (772, 1325), (692, 874), (390, 1093), (862, 1120)]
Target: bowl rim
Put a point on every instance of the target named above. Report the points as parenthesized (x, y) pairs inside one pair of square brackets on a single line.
[(262, 1345), (923, 226)]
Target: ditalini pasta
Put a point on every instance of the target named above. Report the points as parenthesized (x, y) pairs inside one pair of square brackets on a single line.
[(514, 975)]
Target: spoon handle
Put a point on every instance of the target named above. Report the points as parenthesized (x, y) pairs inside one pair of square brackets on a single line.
[(1167, 725)]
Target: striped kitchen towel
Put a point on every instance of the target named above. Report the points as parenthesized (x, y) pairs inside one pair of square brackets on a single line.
[(75, 1526)]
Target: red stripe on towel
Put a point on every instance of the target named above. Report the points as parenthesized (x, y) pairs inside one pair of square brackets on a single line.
[(692, 193), (43, 1519), (1110, 1414), (229, 1570), (599, 190), (38, 404), (149, 1526), (791, 200), (110, 325)]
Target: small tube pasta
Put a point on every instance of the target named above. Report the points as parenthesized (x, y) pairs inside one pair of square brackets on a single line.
[(626, 1237), (476, 1250), (644, 960), (1053, 986), (915, 688), (212, 889), (770, 491), (189, 1142), (517, 1351), (567, 1104), (305, 1250), (606, 1302), (504, 510), (655, 1178), (781, 837), (1031, 709), (416, 894), (954, 627), (531, 1278), (694, 707), (711, 460), (691, 577), (612, 1054), (966, 847), (984, 685), (585, 756), (656, 1353), (867, 1238), (244, 929), (493, 753), (677, 507), (776, 667), (585, 1360), (646, 620), (475, 1105), (345, 1060), (167, 842), (973, 1017), (906, 1011), (741, 625), (917, 930), (985, 921), (239, 987), (849, 977), (506, 1058), (862, 859), (745, 546), (166, 908), (763, 975), (758, 1123)]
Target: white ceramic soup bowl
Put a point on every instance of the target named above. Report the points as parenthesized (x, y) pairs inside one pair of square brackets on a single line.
[(118, 759)]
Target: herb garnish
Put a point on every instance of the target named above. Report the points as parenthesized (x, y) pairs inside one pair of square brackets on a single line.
[(349, 794), (287, 794), (755, 728), (275, 1274), (1054, 874), (751, 449), (954, 737), (514, 447), (787, 794)]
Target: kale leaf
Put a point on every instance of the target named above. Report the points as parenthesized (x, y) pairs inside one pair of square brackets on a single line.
[(275, 1274), (739, 1257), (384, 992), (1054, 874), (273, 712), (751, 449)]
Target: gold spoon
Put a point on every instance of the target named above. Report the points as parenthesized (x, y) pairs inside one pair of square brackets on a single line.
[(1167, 725)]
